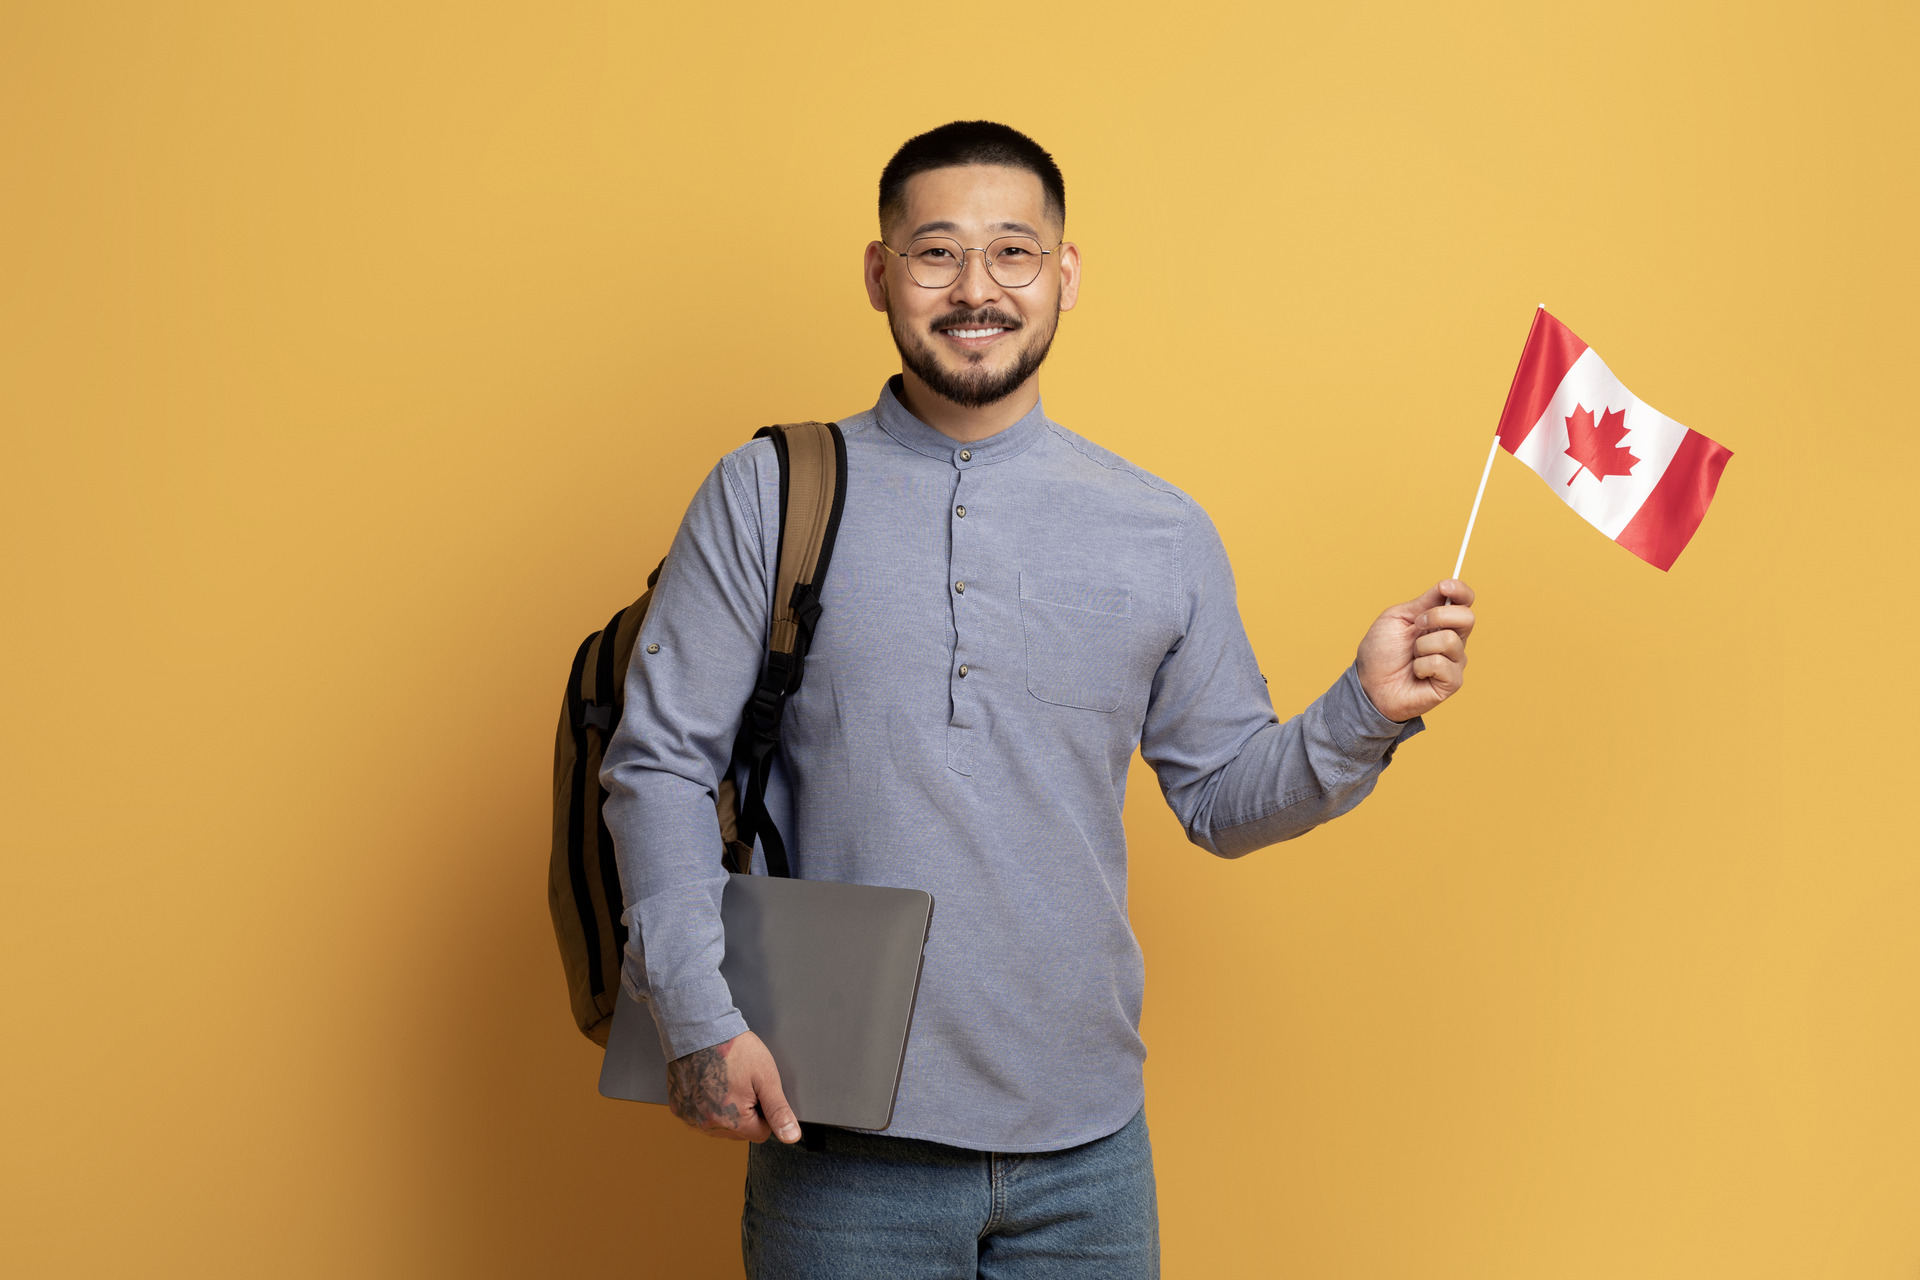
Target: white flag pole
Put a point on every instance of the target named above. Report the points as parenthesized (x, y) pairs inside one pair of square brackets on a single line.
[(1460, 561), (1475, 513)]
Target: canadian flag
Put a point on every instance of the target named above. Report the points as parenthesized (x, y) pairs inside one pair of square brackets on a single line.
[(1632, 472)]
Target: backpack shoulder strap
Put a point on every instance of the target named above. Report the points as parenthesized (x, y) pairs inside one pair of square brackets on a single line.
[(813, 490)]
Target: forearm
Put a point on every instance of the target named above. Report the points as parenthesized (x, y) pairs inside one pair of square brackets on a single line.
[(1289, 778), (667, 836)]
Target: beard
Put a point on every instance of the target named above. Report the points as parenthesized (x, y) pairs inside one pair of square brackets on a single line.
[(975, 386)]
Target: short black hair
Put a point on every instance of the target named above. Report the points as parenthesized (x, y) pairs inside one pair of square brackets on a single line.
[(969, 142)]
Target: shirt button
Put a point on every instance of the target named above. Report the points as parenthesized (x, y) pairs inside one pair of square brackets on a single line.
[(963, 671), (653, 648), (960, 588), (961, 512), (966, 455)]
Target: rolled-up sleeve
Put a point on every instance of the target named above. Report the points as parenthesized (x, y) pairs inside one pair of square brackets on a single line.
[(1236, 777), (708, 620)]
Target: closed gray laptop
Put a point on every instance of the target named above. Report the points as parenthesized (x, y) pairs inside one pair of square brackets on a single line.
[(825, 974)]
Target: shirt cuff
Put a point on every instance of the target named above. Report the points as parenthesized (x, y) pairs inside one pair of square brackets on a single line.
[(694, 1016), (1357, 725)]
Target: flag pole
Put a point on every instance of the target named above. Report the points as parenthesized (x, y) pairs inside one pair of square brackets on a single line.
[(1475, 513), (1461, 560)]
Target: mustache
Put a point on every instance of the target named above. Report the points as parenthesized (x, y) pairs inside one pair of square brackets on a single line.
[(988, 318)]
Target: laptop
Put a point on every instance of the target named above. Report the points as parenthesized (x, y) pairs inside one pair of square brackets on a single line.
[(826, 974)]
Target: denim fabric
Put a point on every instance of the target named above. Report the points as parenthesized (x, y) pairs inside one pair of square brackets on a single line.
[(904, 1209), (1003, 624)]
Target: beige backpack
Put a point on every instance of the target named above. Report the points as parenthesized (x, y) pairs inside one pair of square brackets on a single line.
[(583, 878)]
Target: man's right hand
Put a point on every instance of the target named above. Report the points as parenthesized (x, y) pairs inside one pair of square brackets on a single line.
[(732, 1090)]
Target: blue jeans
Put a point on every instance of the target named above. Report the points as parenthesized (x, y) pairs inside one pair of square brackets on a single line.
[(903, 1209)]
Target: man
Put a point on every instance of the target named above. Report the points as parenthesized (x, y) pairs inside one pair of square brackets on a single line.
[(1011, 610)]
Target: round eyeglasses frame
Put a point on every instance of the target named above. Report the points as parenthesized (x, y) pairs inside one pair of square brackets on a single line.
[(986, 257)]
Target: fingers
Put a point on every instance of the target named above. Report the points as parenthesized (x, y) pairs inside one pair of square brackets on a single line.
[(752, 1127), (1447, 644), (1447, 617), (776, 1116), (1438, 623)]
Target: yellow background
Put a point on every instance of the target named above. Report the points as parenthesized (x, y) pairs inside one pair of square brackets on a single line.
[(356, 360)]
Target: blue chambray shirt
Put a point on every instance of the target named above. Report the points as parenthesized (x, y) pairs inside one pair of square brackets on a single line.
[(1003, 623)]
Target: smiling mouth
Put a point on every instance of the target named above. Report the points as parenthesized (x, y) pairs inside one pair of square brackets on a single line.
[(975, 330)]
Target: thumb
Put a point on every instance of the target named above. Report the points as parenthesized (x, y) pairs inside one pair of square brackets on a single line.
[(773, 1106), (1442, 592)]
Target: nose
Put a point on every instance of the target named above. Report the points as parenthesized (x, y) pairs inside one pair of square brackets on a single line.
[(976, 286)]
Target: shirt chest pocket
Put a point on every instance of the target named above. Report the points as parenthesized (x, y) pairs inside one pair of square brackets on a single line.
[(1077, 634)]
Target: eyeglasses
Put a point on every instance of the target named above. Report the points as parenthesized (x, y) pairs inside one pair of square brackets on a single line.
[(935, 262)]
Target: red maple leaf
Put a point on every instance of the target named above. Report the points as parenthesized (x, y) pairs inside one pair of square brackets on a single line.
[(1598, 448)]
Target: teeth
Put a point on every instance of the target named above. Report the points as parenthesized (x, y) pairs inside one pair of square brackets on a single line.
[(973, 333)]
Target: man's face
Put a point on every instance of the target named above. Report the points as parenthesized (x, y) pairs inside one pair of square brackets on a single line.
[(977, 340)]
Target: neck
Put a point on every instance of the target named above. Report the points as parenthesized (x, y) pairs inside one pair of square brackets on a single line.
[(958, 421)]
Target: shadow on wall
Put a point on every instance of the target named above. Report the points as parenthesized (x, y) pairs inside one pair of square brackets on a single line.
[(515, 1164)]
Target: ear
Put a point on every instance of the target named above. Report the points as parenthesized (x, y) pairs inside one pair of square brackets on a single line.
[(1069, 274), (874, 271)]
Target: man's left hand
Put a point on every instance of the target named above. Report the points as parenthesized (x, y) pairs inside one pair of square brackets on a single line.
[(1414, 656)]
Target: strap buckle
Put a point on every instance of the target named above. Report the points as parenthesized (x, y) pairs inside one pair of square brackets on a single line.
[(764, 711), (806, 612)]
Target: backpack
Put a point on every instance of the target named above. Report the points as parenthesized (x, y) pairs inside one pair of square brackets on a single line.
[(583, 879)]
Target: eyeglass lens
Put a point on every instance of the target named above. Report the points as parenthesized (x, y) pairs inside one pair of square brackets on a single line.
[(936, 261)]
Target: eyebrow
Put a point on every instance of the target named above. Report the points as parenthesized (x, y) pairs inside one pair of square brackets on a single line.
[(1020, 228)]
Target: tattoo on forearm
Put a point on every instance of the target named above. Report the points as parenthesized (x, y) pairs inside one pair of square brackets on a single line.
[(697, 1088)]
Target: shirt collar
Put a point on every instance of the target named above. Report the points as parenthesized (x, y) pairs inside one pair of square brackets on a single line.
[(897, 422)]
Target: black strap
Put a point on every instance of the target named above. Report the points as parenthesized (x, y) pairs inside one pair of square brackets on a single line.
[(577, 824), (605, 697), (754, 818), (753, 750)]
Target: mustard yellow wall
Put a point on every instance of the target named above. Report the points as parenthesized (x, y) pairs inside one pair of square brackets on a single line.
[(358, 359)]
